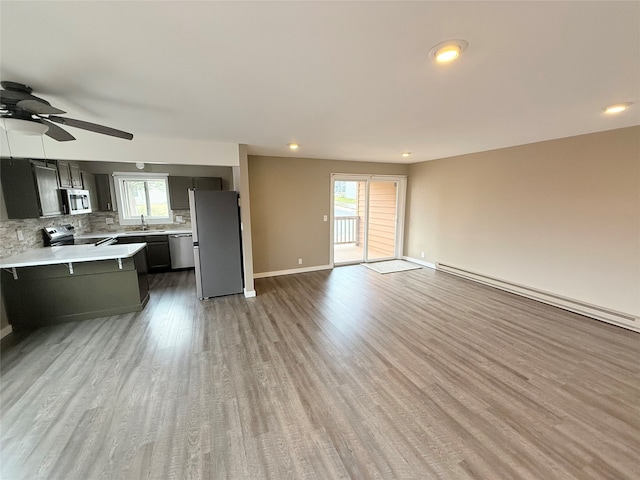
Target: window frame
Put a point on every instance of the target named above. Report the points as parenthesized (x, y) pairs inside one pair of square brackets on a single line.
[(120, 177)]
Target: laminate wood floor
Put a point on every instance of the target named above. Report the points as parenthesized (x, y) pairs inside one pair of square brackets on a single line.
[(325, 375)]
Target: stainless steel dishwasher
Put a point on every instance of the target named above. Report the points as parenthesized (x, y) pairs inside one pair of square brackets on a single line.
[(181, 248)]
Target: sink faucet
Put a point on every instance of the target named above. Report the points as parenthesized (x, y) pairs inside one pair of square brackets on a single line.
[(144, 225)]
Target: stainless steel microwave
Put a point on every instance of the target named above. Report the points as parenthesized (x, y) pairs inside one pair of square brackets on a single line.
[(75, 201)]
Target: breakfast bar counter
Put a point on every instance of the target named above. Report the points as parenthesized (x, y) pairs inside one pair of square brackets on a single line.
[(70, 254), (53, 285)]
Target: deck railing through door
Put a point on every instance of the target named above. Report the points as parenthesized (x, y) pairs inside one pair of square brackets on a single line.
[(346, 230)]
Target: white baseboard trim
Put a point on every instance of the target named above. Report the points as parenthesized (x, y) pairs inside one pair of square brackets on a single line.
[(292, 271), (621, 319), (249, 293), (5, 331), (419, 262)]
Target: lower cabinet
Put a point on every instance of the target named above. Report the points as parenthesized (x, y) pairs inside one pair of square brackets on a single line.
[(158, 255), (51, 294)]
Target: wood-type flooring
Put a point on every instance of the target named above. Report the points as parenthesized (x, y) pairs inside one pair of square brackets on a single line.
[(343, 374)]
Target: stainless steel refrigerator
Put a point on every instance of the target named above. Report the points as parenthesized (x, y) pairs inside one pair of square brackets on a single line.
[(217, 251)]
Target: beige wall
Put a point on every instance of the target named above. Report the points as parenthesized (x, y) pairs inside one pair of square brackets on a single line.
[(562, 216), (289, 197)]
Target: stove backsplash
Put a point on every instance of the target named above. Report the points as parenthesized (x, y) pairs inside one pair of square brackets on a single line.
[(96, 222), (31, 229)]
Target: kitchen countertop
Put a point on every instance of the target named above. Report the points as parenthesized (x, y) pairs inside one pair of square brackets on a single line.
[(70, 254), (136, 233)]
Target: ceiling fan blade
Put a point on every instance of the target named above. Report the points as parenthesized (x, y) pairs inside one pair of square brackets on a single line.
[(15, 86), (56, 132), (92, 127), (12, 97), (38, 107)]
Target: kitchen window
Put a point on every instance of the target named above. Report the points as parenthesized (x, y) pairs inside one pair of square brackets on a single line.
[(142, 195)]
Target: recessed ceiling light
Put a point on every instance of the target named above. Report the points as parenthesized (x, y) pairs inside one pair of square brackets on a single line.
[(406, 154), (617, 108), (448, 51), (294, 146)]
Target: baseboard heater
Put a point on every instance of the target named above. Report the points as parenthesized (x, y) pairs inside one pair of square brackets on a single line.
[(620, 319)]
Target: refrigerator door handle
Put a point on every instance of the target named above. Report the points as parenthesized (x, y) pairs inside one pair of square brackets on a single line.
[(194, 217), (196, 261)]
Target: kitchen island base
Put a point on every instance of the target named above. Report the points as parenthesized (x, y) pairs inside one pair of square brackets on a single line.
[(52, 294)]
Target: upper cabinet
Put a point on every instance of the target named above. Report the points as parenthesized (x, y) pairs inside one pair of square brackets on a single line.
[(179, 189), (30, 188), (89, 183), (179, 192), (70, 175), (104, 196), (207, 183)]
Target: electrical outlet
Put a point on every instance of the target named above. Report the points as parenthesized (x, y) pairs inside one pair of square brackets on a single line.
[(326, 218), (20, 235), (421, 254), (179, 218), (109, 221), (299, 261)]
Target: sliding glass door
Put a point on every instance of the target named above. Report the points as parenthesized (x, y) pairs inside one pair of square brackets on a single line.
[(367, 213), (382, 220)]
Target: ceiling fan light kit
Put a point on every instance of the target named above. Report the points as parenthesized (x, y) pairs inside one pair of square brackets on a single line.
[(27, 114), (23, 127)]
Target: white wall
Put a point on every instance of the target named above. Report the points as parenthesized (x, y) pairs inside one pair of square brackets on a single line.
[(93, 146)]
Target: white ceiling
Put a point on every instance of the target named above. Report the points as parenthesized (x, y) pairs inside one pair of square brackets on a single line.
[(346, 80)]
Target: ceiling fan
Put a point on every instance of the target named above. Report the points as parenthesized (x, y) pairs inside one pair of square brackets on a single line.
[(29, 114)]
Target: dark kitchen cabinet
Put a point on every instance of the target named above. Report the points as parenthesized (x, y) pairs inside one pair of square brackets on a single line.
[(179, 192), (89, 184), (30, 188), (69, 174), (158, 255), (103, 194), (131, 239), (76, 176), (47, 181), (207, 183), (179, 189), (44, 295)]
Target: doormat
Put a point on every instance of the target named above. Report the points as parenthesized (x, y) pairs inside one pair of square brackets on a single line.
[(391, 266)]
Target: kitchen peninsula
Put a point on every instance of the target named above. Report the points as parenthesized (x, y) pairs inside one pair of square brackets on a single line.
[(52, 285)]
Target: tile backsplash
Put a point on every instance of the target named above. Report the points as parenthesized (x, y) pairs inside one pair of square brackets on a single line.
[(98, 222), (31, 228)]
